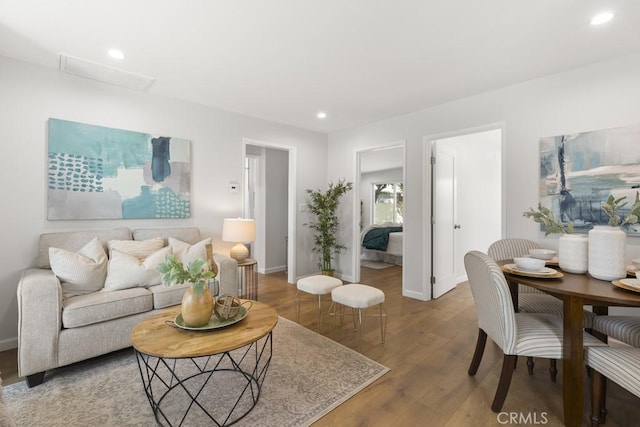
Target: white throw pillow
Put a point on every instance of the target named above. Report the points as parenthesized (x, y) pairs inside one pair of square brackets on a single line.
[(140, 249), (188, 253), (126, 271), (80, 272)]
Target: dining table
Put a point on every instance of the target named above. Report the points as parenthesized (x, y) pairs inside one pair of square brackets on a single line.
[(575, 291)]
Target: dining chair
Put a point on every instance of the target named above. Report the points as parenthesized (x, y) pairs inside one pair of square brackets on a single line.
[(622, 328), (618, 364), (531, 300), (516, 333)]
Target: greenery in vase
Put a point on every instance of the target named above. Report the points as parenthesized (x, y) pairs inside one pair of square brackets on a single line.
[(174, 273), (323, 206), (612, 208), (545, 217)]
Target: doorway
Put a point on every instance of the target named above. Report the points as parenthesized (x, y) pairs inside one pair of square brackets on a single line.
[(379, 201), (466, 201), (268, 194)]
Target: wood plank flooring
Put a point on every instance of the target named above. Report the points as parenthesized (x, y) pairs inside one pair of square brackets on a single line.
[(428, 349)]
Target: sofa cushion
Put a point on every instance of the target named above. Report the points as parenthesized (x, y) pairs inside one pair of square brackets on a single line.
[(126, 271), (188, 253), (80, 272), (190, 235), (140, 249), (74, 240), (166, 296), (98, 307)]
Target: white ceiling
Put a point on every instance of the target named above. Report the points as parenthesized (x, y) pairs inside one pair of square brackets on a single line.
[(358, 60)]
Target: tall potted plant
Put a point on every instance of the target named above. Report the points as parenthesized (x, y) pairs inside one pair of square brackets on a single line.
[(322, 206)]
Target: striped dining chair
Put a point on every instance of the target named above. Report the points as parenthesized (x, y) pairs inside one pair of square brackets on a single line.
[(618, 364), (517, 334), (531, 300)]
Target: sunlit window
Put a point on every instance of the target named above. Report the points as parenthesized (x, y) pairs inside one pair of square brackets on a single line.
[(388, 203)]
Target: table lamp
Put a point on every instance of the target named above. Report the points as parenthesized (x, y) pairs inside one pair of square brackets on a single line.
[(239, 230)]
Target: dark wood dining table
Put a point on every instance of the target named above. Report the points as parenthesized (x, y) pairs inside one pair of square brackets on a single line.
[(576, 291)]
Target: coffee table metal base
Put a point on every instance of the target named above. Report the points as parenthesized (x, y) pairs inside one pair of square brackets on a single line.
[(212, 390)]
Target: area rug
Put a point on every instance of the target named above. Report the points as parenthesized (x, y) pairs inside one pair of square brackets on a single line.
[(309, 376), (375, 265)]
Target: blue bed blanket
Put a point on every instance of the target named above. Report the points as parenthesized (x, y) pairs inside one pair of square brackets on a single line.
[(378, 238)]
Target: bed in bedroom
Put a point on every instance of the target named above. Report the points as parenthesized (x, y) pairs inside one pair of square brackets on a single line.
[(382, 242)]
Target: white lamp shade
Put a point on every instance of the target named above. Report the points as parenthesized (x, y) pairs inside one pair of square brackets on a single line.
[(238, 230)]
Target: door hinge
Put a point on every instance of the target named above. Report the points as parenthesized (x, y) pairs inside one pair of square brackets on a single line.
[(433, 280), (433, 160)]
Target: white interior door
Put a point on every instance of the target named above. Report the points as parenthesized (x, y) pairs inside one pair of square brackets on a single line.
[(443, 224)]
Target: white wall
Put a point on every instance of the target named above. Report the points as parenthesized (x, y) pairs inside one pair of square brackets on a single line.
[(30, 95), (599, 96), (276, 215)]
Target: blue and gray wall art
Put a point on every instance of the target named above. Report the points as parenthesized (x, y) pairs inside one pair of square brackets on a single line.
[(580, 171), (98, 172)]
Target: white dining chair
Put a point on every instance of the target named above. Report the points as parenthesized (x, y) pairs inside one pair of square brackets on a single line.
[(531, 300), (618, 364), (623, 328), (516, 333)]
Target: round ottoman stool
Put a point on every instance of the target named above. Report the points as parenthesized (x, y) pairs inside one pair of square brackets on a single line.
[(315, 285), (360, 297)]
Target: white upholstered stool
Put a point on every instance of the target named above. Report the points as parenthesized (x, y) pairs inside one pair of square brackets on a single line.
[(318, 285), (360, 297)]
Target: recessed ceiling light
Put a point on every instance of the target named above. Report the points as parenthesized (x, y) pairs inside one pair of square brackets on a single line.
[(116, 54), (601, 18), (321, 115)]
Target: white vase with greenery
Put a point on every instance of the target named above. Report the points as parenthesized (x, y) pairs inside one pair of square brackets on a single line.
[(608, 243)]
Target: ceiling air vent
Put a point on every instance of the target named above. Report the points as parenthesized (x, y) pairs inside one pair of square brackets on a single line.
[(102, 73)]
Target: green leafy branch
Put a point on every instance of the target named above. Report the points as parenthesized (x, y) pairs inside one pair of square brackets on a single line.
[(545, 217), (174, 273), (613, 206)]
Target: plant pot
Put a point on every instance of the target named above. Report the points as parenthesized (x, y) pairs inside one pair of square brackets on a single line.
[(196, 309), (573, 253), (327, 273), (607, 246)]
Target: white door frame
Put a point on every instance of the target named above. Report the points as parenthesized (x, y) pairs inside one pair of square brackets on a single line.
[(291, 202), (356, 205), (427, 153)]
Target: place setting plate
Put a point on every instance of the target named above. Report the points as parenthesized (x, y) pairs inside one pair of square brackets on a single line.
[(545, 272), (628, 284), (214, 322)]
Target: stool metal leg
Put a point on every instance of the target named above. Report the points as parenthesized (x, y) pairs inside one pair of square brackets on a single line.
[(298, 307), (320, 313), (383, 322)]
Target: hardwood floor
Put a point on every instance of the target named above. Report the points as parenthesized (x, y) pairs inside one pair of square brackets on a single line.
[(428, 349)]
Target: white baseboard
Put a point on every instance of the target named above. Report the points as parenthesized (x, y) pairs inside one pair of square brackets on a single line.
[(8, 344), (273, 269)]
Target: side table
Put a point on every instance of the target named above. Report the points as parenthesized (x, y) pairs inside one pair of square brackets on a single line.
[(248, 275)]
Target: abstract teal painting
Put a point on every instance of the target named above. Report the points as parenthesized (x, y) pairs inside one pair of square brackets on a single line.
[(580, 171), (98, 172)]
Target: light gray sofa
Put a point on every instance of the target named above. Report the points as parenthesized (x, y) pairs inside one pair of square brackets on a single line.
[(55, 331)]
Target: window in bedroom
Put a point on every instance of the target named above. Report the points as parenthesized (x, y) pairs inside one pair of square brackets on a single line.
[(388, 203)]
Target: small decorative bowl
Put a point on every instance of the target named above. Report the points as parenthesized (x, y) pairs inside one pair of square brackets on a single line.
[(529, 264), (227, 307), (545, 254)]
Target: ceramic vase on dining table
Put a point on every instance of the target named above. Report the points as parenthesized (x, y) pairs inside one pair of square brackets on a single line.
[(573, 253), (607, 246)]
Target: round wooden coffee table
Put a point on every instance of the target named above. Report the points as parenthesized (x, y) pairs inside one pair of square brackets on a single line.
[(211, 376)]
